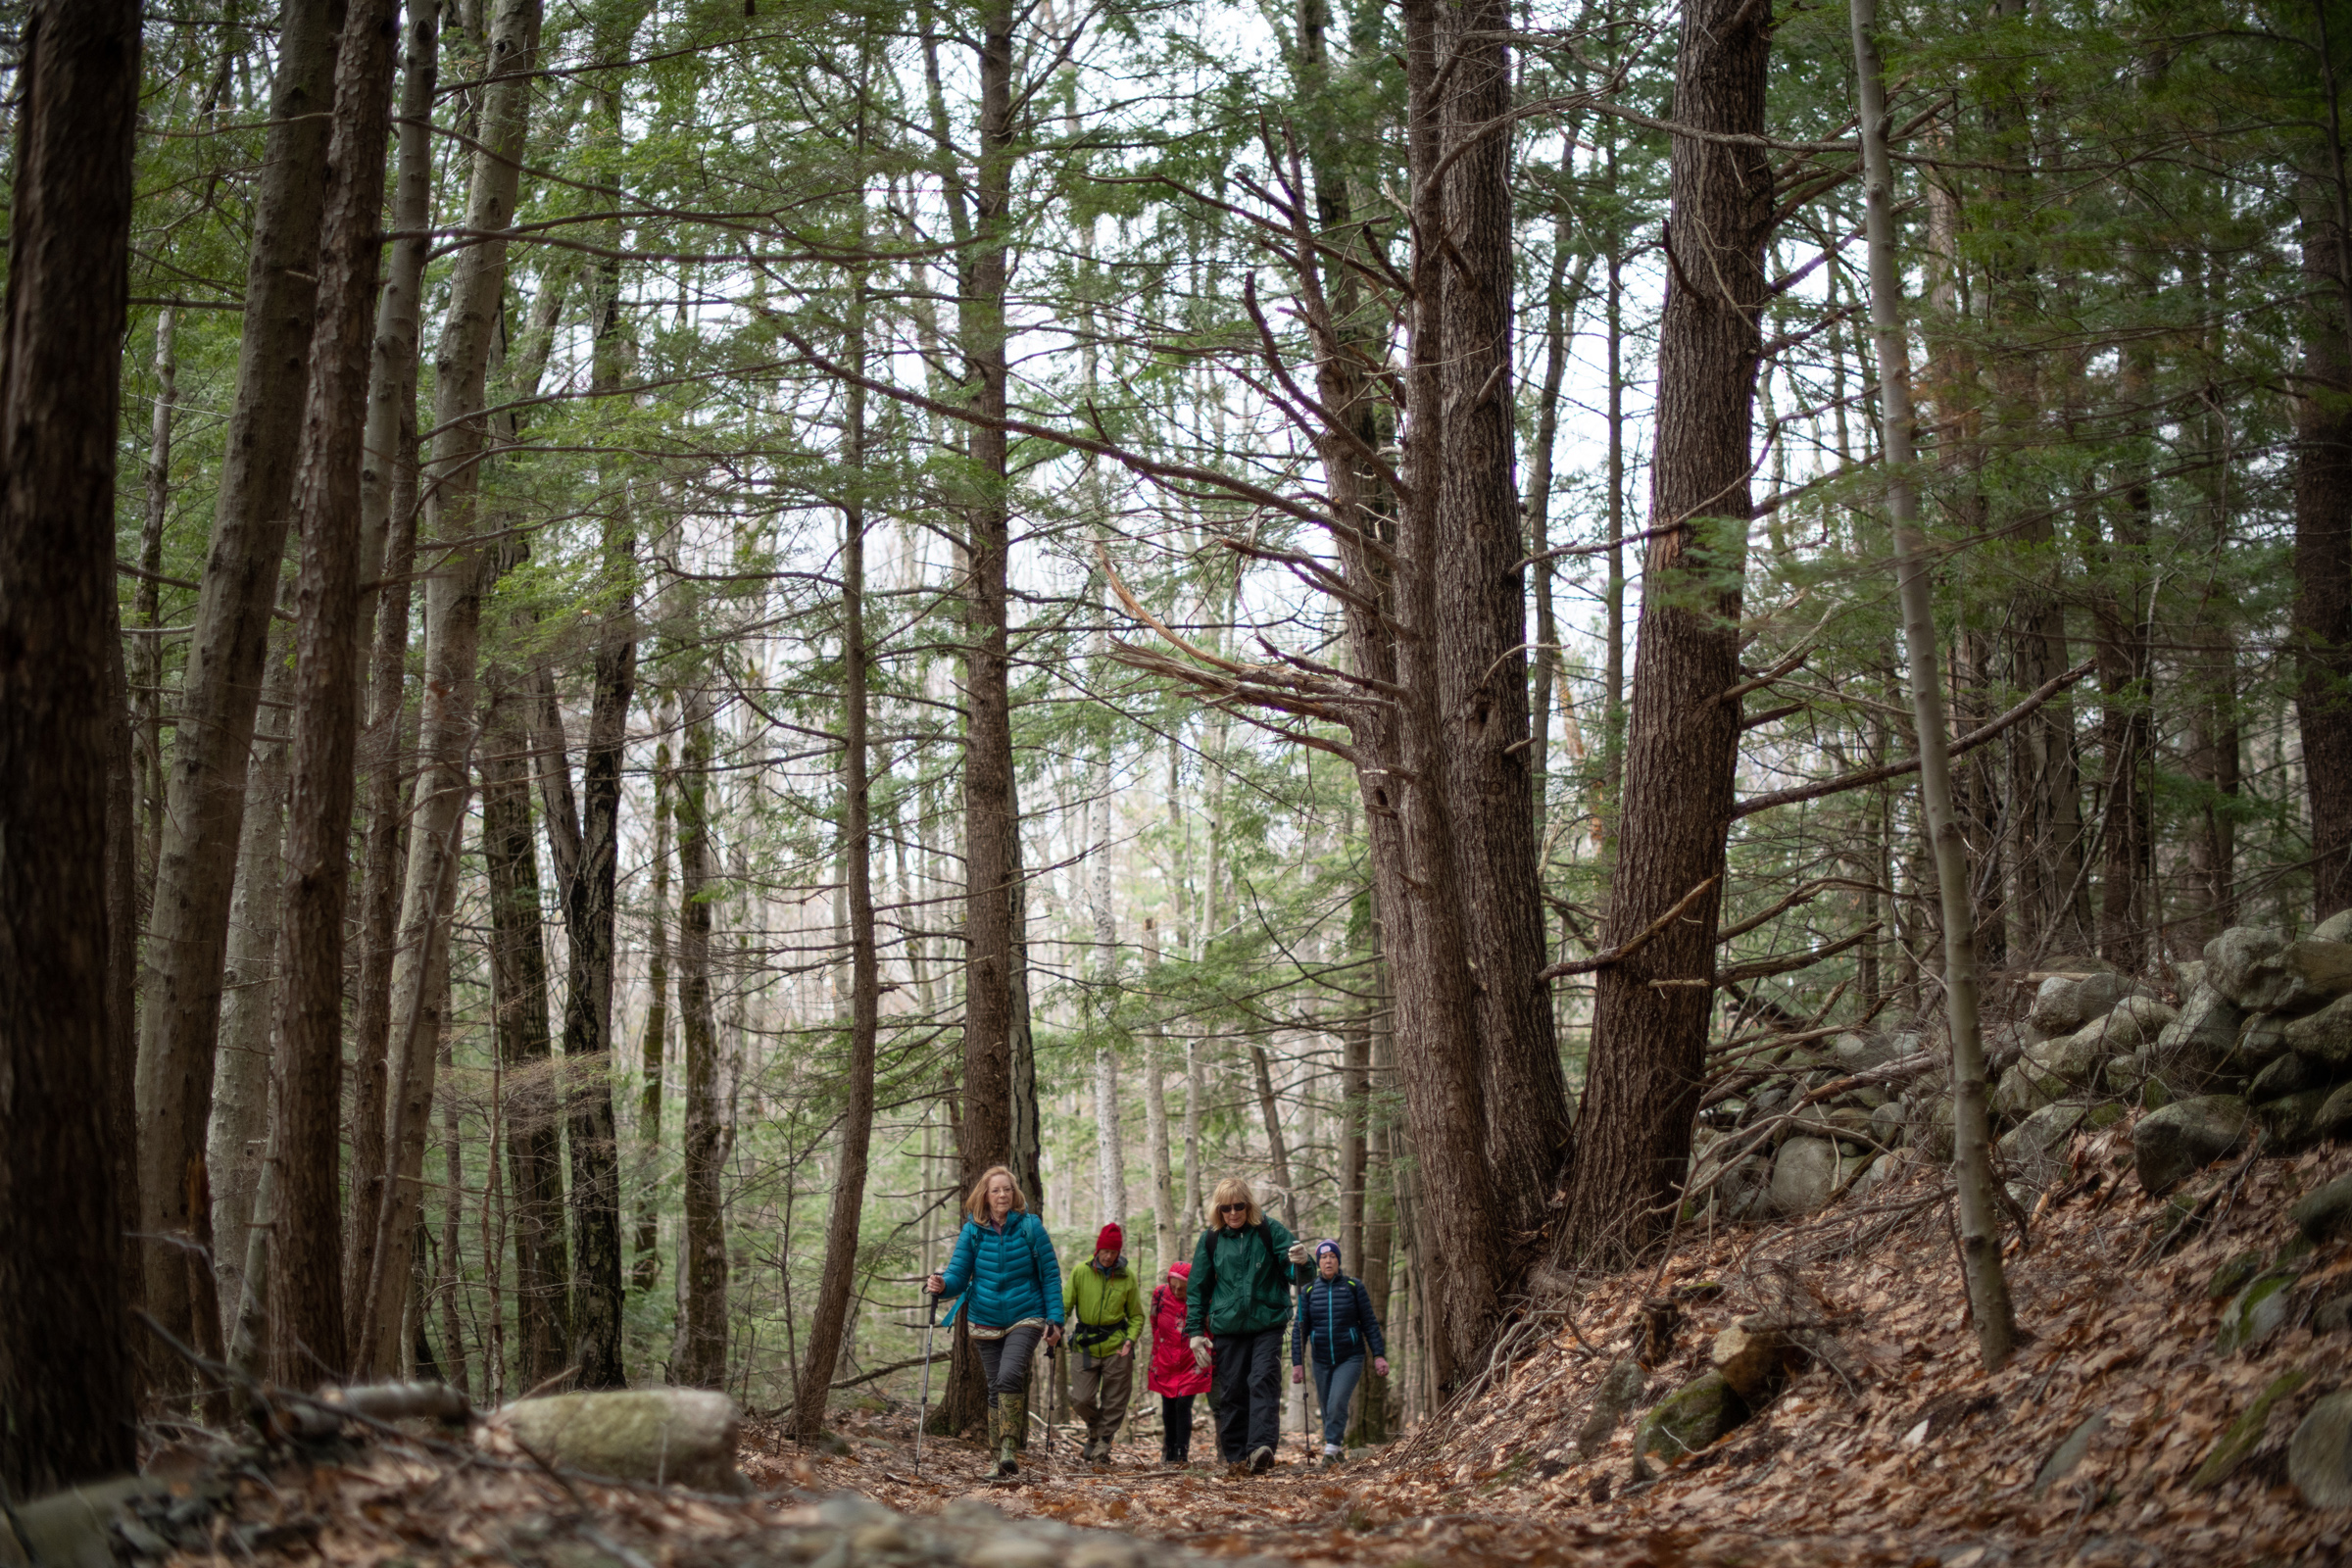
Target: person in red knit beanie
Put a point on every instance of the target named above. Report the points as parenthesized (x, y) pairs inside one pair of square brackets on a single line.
[(1104, 1305)]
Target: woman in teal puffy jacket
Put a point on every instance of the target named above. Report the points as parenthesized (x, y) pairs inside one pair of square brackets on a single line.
[(1006, 1260)]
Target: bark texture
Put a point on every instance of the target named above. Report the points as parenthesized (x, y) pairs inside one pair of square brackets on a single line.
[(187, 936), (2323, 609), (388, 497), (66, 1369), (1482, 660), (306, 1279), (453, 633), (832, 1314), (1649, 1039), (533, 1100), (702, 1357)]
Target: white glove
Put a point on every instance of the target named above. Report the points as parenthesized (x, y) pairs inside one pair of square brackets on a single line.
[(1203, 1357), (1302, 1253)]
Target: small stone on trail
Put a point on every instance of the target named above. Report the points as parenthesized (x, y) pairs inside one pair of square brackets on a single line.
[(1620, 1387), (2067, 1454), (2254, 1314), (1750, 1361)]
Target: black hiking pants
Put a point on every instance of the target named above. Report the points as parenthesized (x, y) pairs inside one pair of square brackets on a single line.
[(1248, 1392)]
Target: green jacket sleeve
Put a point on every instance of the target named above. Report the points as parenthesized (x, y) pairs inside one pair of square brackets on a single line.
[(1069, 1293), (1134, 1306)]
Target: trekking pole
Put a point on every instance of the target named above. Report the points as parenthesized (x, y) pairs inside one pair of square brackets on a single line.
[(923, 1418), (1053, 1389)]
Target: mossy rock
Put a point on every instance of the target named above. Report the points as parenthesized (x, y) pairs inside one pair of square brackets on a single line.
[(2231, 1277), (1690, 1418), (2254, 1313), (2245, 1433)]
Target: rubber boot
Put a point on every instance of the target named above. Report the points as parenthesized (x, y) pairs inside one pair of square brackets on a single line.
[(1013, 1409)]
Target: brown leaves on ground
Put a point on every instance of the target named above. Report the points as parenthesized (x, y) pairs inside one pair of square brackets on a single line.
[(1894, 1447)]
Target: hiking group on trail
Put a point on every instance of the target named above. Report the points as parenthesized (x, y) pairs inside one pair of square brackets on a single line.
[(1216, 1325)]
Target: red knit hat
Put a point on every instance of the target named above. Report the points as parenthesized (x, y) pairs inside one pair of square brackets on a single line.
[(1112, 1238)]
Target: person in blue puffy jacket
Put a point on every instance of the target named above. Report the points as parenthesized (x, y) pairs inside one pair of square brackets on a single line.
[(1005, 1260), (1337, 1322)]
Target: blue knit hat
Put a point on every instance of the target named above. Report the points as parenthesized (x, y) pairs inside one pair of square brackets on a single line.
[(1333, 1248)]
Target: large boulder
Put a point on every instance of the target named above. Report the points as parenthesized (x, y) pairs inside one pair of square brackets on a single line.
[(1689, 1419), (2064, 1004), (1620, 1387), (2261, 1040), (2291, 1124), (2030, 1084), (2337, 927), (2033, 1146), (1745, 1190), (2137, 1021), (2325, 1036), (2327, 1213), (2169, 1144), (1803, 1175), (1859, 1053), (2290, 1074), (2298, 976), (2232, 958), (2319, 1458), (2193, 1048), (2335, 1119), (688, 1435)]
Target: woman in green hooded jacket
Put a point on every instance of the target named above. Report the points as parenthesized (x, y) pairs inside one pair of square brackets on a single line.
[(1242, 1268)]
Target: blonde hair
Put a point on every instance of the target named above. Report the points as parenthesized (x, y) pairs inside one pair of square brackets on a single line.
[(1234, 1190), (975, 1202)]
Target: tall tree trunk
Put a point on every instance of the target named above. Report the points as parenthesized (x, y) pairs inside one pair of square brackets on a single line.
[(832, 1315), (1111, 1155), (452, 634), (147, 672), (306, 1277), (187, 936), (66, 1379), (1380, 1202), (591, 904), (453, 1215), (647, 1265), (1649, 1039), (591, 889), (388, 505), (240, 1126), (702, 1357), (1482, 628), (533, 1093), (2322, 610), (1278, 1150), (1168, 1230), (1980, 1235)]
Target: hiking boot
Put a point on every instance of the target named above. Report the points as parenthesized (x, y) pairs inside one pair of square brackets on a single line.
[(1333, 1459), (1261, 1460)]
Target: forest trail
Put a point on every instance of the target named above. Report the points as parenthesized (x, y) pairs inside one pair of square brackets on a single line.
[(1890, 1446), (2145, 1422)]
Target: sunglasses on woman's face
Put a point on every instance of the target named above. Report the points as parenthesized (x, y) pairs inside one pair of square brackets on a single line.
[(1234, 1208)]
